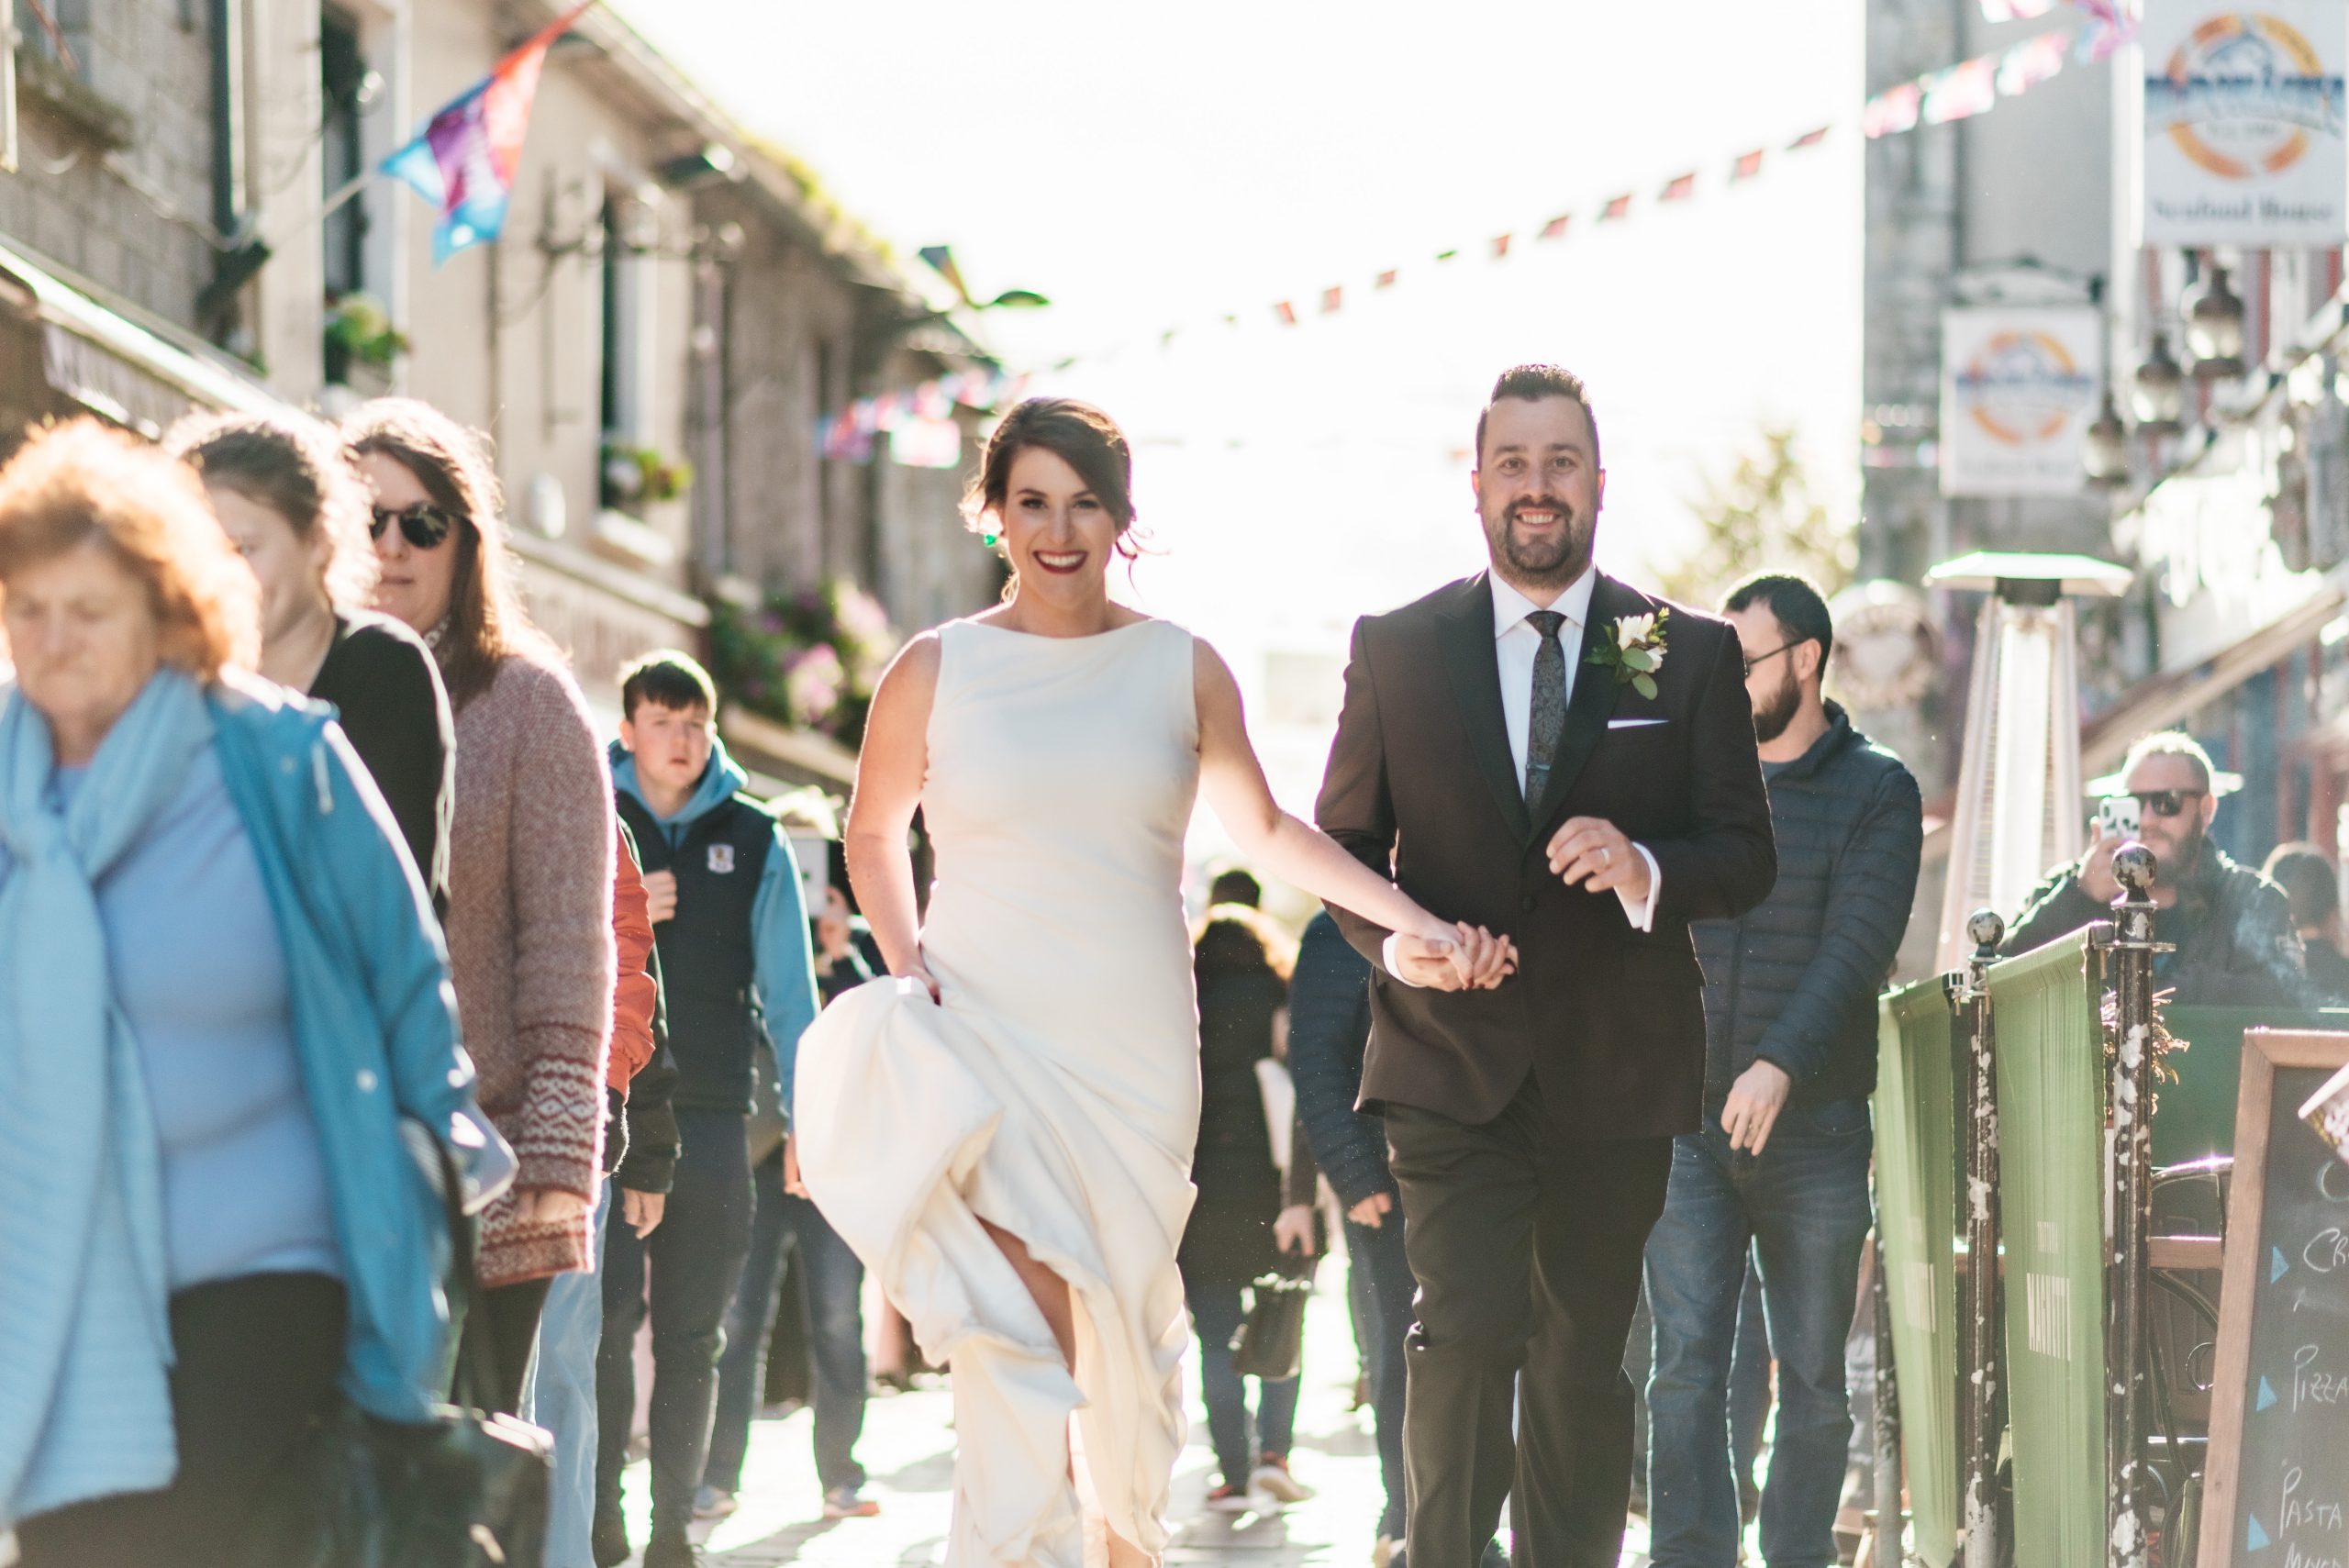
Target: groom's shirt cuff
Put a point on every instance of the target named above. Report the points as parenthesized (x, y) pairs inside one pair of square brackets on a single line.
[(1641, 914)]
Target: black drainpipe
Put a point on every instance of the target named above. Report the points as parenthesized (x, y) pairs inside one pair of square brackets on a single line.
[(238, 260)]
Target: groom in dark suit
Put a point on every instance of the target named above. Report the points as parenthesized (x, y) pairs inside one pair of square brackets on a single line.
[(1544, 753)]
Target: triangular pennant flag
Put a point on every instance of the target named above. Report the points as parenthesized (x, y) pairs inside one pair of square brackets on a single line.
[(1892, 111), (2030, 62), (2266, 1396), (2255, 1537), (1386, 279), (1748, 164), (1286, 312), (2277, 1267), (1962, 91), (1331, 298), (466, 159), (1809, 139), (1680, 189), (1620, 208), (1555, 228), (1447, 255), (1500, 245)]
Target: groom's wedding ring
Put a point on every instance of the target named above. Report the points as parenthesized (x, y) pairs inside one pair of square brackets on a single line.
[(1606, 856)]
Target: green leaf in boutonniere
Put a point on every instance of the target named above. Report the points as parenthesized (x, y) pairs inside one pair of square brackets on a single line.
[(1634, 650)]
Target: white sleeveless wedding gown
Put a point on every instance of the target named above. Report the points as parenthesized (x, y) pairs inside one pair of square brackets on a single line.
[(1055, 1093)]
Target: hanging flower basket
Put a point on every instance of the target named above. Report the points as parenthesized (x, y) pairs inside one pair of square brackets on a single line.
[(810, 659)]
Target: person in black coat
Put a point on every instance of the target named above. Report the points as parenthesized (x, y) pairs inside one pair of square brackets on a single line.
[(1248, 1209), (1780, 1164), (285, 489), (2313, 889)]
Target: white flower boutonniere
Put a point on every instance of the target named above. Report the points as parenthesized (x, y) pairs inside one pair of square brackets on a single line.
[(1636, 651)]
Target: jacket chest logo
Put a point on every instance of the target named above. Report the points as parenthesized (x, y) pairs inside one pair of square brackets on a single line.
[(721, 859)]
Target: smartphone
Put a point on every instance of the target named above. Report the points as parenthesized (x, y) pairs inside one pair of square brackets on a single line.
[(2116, 817)]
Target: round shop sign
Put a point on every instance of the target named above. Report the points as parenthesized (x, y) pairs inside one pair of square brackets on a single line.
[(2242, 94), (2021, 386)]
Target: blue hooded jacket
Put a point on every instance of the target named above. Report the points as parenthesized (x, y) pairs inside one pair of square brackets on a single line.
[(780, 940)]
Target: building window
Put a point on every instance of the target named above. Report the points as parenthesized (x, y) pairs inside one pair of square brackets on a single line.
[(342, 150), (57, 32)]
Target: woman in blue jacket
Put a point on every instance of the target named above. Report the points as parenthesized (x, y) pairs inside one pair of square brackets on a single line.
[(221, 991)]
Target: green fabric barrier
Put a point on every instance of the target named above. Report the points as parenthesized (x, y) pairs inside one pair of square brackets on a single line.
[(1917, 1162), (2051, 1216), (2195, 1118)]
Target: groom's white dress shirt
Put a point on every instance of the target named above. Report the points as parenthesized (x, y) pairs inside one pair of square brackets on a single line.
[(1515, 644)]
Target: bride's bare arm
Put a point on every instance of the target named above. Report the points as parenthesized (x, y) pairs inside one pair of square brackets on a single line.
[(1296, 852), (889, 774)]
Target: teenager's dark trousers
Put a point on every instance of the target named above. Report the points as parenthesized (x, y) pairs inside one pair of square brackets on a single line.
[(1527, 1249), (831, 1283), (1376, 1256), (509, 1316), (256, 1363), (696, 1262)]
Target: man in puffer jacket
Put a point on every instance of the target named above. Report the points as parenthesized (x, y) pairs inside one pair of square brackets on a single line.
[(1782, 1160)]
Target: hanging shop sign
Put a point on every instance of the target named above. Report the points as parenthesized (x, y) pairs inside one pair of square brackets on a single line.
[(2019, 389), (2244, 125)]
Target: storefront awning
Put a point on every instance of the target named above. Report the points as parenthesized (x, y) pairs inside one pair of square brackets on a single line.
[(2165, 700), (99, 358)]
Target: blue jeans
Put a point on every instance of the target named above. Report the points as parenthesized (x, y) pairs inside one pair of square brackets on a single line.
[(560, 1396), (1376, 1254), (1217, 1314), (834, 1282), (1802, 1206)]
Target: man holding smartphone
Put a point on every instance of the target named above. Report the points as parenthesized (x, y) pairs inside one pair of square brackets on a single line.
[(2232, 929)]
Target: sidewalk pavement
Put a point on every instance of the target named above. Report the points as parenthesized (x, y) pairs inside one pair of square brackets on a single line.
[(908, 1449)]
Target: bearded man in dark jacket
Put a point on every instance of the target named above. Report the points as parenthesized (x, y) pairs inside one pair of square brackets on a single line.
[(1781, 1161), (2228, 929)]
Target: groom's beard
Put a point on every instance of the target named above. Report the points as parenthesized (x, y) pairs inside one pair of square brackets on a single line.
[(1771, 718), (1539, 564)]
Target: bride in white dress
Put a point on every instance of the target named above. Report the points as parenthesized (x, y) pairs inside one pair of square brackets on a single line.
[(1003, 1129)]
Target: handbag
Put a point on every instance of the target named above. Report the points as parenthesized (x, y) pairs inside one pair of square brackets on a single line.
[(1270, 1341), (467, 1489)]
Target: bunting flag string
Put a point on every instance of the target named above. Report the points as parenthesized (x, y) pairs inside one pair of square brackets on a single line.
[(1969, 88), (1962, 91), (2111, 22)]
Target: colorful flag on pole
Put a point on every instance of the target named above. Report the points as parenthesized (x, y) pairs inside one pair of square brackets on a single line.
[(2030, 62), (1962, 91), (466, 159)]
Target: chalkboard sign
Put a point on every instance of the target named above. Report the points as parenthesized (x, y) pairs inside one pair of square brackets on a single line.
[(2276, 1487)]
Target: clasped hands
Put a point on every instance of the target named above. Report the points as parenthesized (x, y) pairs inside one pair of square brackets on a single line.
[(1588, 853)]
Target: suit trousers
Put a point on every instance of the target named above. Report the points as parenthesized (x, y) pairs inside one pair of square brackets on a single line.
[(1527, 1249)]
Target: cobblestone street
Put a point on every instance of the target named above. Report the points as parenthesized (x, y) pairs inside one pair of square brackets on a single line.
[(908, 1449)]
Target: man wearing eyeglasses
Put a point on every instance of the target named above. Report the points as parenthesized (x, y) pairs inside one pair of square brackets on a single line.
[(2236, 944), (1779, 1165)]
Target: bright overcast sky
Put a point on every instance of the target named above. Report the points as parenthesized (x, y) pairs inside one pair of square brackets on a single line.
[(1157, 166)]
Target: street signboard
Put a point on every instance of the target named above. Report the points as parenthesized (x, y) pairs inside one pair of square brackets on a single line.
[(2019, 390)]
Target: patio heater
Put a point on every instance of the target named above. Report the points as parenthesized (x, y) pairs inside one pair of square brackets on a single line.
[(2018, 789)]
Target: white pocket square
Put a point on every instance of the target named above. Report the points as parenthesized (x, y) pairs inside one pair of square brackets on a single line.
[(1632, 723)]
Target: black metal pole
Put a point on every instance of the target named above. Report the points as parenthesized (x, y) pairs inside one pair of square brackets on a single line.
[(1980, 1309), (2130, 947)]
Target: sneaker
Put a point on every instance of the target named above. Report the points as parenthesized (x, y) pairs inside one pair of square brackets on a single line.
[(1229, 1499), (608, 1538), (846, 1503), (670, 1549), (1272, 1479), (710, 1503)]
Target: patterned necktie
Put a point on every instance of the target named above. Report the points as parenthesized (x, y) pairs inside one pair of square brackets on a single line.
[(1549, 713)]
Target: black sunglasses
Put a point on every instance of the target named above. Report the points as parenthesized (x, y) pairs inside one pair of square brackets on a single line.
[(424, 524), (2168, 802)]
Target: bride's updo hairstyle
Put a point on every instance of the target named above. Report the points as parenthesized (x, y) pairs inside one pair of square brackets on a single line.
[(1080, 435)]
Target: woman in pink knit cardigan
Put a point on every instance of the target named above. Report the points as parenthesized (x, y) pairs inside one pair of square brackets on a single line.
[(529, 921)]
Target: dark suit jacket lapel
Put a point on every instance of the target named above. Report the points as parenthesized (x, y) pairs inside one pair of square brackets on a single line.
[(1593, 702), (1465, 632)]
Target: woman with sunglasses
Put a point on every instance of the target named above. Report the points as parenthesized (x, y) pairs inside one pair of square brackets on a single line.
[(284, 490), (531, 904)]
